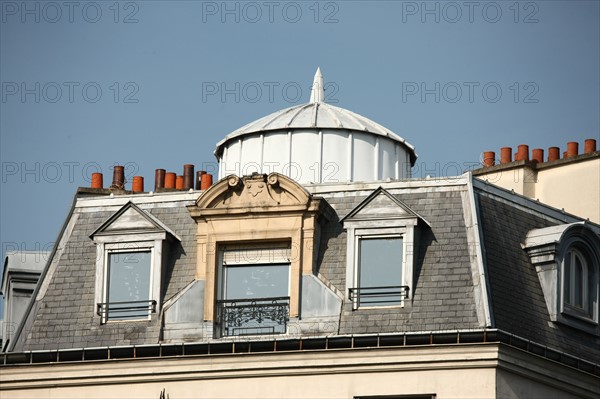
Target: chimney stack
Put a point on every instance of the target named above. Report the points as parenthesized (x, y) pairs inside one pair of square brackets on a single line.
[(118, 177)]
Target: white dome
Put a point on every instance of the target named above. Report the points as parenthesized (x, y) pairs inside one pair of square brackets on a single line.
[(313, 136)]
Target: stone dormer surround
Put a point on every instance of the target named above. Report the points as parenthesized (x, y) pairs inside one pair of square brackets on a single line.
[(256, 209)]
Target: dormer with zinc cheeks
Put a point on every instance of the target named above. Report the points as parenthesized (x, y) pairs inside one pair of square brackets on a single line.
[(132, 249), (382, 239)]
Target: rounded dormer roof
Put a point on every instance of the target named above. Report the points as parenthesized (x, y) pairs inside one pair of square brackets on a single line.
[(315, 115)]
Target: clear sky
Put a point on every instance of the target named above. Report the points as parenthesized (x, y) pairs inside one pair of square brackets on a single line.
[(156, 84)]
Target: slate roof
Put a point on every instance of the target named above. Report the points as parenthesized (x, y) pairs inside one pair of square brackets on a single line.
[(445, 291), (516, 294)]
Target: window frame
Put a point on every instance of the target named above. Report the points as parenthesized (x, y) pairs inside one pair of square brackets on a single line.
[(223, 266), (154, 242), (359, 230), (370, 235), (111, 249), (588, 313), (272, 258)]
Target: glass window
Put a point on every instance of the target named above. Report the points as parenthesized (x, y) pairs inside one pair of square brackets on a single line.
[(128, 293), (254, 291), (256, 281), (576, 280), (380, 271)]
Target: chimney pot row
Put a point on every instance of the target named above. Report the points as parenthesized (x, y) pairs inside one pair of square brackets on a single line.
[(537, 155)]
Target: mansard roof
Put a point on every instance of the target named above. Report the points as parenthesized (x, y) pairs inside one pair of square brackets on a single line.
[(471, 272)]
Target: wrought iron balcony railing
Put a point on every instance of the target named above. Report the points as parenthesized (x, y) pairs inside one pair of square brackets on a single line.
[(125, 310), (252, 316), (378, 296)]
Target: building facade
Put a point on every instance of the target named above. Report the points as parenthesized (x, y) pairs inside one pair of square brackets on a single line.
[(264, 285)]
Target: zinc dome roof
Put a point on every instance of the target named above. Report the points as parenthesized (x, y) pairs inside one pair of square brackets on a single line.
[(316, 114)]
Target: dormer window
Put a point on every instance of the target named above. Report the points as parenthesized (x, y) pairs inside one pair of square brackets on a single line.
[(567, 261), (382, 237), (131, 247), (379, 270), (128, 288), (254, 289), (578, 278)]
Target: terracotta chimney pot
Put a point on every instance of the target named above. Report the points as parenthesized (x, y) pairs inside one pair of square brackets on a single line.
[(505, 154), (572, 149), (199, 179), (489, 158), (138, 184), (522, 153), (118, 177), (188, 176), (538, 155), (207, 181), (159, 179), (553, 154), (179, 182), (169, 180), (589, 146), (97, 180)]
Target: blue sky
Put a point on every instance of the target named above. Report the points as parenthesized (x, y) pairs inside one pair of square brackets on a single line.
[(156, 84)]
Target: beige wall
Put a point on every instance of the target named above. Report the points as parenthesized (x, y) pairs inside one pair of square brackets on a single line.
[(574, 186), (450, 371)]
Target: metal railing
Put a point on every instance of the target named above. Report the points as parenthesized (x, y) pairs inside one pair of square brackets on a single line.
[(255, 316), (378, 296), (125, 310)]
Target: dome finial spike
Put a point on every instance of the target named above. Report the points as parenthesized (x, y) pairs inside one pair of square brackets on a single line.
[(317, 93)]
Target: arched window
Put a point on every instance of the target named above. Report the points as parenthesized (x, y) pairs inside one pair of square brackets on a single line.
[(577, 280), (567, 262)]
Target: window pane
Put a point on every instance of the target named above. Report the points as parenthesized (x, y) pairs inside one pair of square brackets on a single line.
[(380, 262), (567, 277), (380, 265), (256, 281), (578, 276), (129, 281)]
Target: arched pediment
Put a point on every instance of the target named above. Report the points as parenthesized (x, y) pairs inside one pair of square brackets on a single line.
[(255, 191)]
